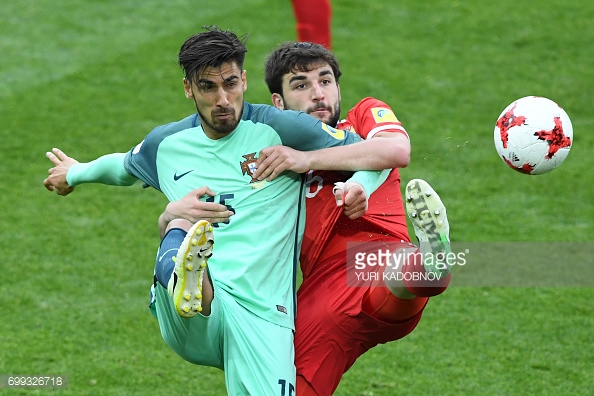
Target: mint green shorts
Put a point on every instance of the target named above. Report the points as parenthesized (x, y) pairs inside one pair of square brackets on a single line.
[(256, 355)]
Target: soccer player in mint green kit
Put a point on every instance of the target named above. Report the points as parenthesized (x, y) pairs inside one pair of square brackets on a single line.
[(237, 315)]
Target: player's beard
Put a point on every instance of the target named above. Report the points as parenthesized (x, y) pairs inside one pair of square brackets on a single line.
[(334, 116), (333, 120), (223, 127)]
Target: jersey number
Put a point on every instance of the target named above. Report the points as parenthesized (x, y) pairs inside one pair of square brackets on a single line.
[(284, 388), (316, 181), (222, 199)]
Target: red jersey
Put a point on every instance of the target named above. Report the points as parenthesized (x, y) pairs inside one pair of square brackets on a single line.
[(385, 214)]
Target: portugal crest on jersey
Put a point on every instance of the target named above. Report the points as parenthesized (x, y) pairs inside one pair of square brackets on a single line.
[(249, 166)]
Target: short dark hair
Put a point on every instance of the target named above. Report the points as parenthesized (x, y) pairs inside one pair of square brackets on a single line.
[(211, 48), (296, 56)]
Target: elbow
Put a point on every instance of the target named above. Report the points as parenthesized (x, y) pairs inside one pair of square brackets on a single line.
[(126, 180), (403, 157), (392, 152), (399, 156)]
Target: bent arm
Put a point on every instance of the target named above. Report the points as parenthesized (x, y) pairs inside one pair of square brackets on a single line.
[(299, 130), (384, 151), (108, 169), (329, 148), (388, 151)]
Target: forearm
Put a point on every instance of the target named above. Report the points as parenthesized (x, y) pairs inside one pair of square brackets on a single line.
[(373, 154), (108, 169), (370, 179)]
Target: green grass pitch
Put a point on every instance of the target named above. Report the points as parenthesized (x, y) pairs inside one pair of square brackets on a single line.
[(95, 77)]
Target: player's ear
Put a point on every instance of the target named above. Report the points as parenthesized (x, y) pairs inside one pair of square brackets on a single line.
[(338, 86), (188, 89), (244, 80), (277, 101)]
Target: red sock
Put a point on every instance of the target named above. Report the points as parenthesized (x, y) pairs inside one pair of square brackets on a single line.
[(313, 21), (380, 303), (417, 281)]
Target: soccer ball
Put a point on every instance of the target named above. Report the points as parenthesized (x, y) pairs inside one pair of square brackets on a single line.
[(533, 135)]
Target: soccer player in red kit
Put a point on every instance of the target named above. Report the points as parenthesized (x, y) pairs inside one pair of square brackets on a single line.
[(313, 18), (337, 323)]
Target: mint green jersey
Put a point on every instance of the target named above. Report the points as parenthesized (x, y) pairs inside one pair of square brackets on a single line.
[(255, 254)]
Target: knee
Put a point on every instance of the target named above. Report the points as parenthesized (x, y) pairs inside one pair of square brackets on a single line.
[(179, 223)]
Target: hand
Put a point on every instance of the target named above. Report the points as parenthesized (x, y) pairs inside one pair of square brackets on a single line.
[(191, 208), (353, 197), (56, 181), (274, 160)]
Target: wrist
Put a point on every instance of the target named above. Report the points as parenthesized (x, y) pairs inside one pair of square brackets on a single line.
[(309, 160)]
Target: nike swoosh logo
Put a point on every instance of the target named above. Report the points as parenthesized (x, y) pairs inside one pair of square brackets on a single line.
[(163, 255), (176, 177)]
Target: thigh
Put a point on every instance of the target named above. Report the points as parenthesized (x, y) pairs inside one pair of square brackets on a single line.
[(259, 355), (322, 348), (198, 340), (332, 328)]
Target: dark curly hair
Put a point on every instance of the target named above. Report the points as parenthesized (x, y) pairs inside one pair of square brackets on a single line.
[(296, 56)]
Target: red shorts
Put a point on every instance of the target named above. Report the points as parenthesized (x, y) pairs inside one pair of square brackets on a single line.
[(332, 327)]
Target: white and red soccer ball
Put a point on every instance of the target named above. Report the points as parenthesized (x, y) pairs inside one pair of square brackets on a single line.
[(533, 135)]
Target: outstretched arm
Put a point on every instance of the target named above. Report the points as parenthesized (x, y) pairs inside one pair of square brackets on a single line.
[(56, 181), (68, 172)]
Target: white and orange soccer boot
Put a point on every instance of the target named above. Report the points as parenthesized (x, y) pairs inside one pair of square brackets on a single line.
[(185, 284)]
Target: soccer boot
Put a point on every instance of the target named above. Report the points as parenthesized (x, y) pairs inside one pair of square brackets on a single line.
[(428, 216), (185, 284)]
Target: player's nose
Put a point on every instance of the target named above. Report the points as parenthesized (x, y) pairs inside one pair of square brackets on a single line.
[(317, 92), (222, 98)]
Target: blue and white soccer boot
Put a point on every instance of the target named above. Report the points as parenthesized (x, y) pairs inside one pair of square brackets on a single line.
[(428, 216), (185, 284)]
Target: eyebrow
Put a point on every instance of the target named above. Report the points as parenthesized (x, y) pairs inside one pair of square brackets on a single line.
[(209, 81), (297, 78), (231, 78), (301, 77)]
